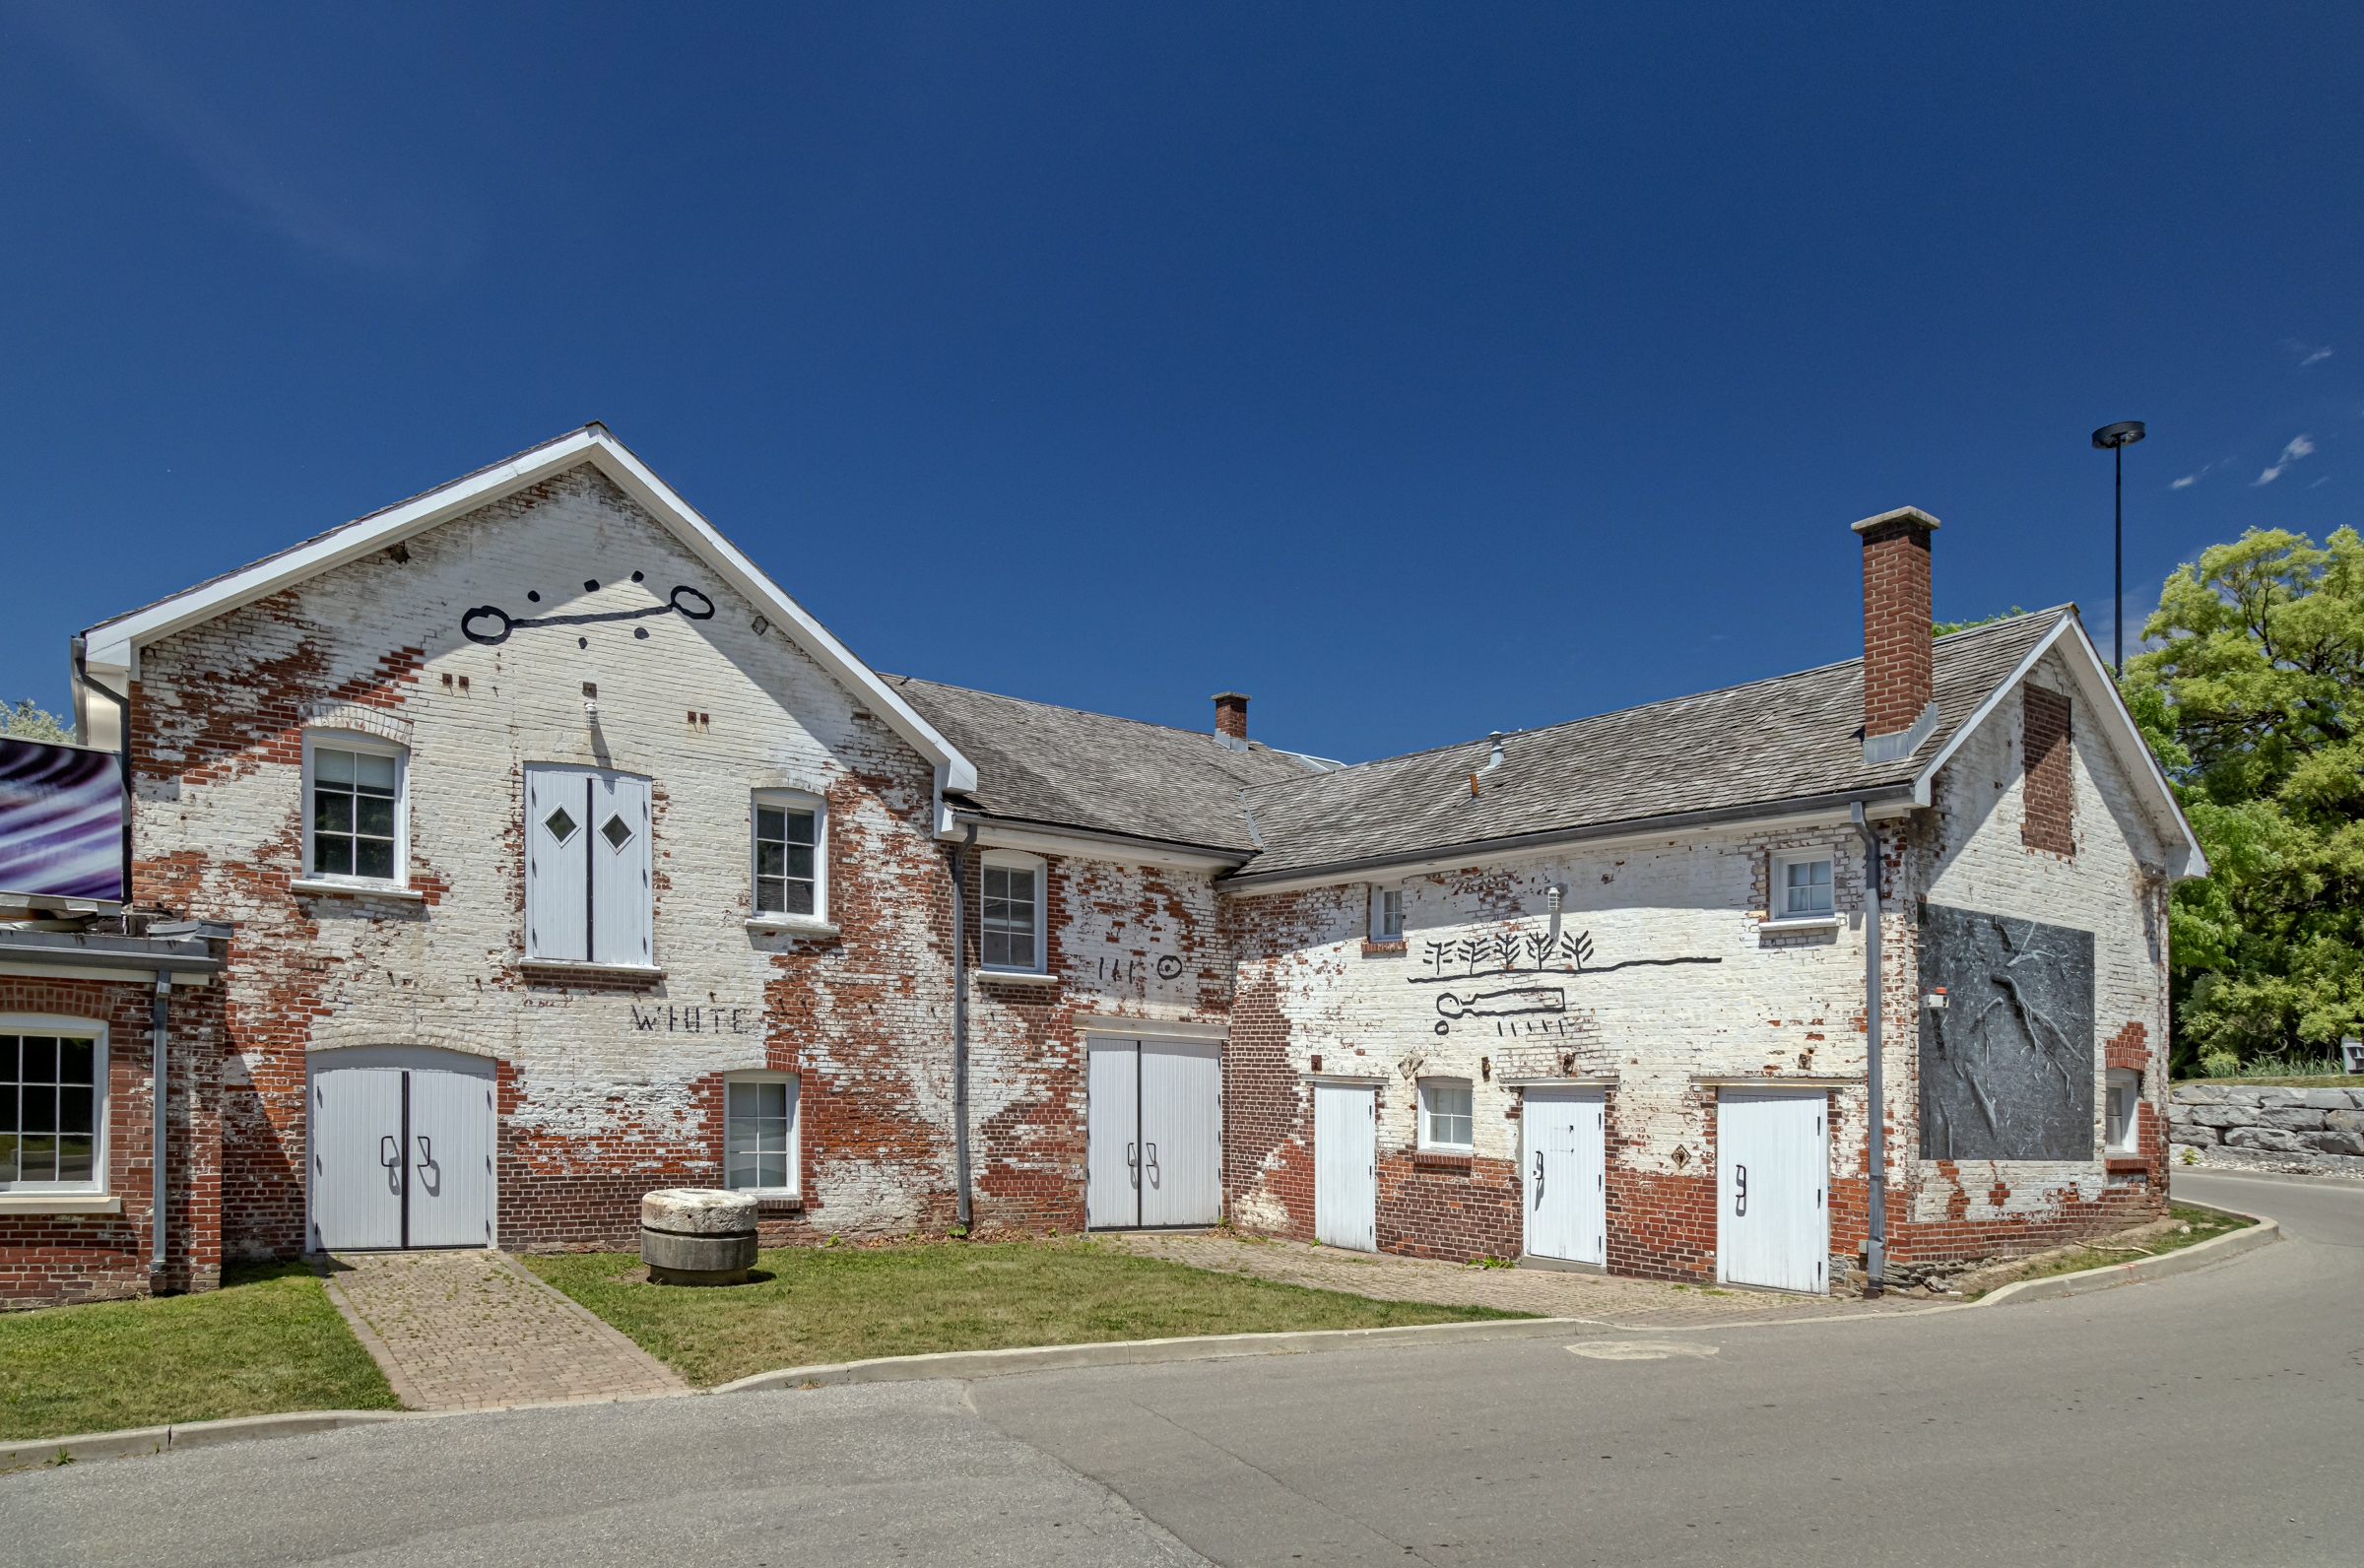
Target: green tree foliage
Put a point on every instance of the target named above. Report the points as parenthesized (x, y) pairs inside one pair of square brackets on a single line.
[(26, 722), (2251, 703), (1946, 629)]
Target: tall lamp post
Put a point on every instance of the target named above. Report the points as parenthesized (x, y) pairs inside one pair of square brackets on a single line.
[(2116, 439)]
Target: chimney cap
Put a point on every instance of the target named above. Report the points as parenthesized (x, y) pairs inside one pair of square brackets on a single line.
[(1902, 515), (1231, 696)]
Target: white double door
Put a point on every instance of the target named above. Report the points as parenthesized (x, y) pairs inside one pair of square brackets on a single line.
[(1345, 1165), (1772, 1204), (1154, 1132), (401, 1152), (1567, 1174), (586, 865)]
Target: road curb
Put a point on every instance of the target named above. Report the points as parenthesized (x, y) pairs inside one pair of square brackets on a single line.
[(1139, 1352), (138, 1440), (2262, 1232)]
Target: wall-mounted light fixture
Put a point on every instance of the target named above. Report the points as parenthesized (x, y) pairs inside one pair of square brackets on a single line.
[(1934, 999)]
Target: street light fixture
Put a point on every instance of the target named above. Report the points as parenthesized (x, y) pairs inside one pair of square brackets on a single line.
[(2116, 439)]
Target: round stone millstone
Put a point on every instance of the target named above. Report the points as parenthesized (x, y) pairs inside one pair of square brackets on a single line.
[(698, 1236)]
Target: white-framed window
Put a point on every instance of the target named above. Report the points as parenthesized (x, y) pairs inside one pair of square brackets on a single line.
[(356, 809), (2121, 1124), (1446, 1116), (1011, 912), (1801, 885), (791, 854), (759, 1133), (52, 1105), (1387, 914)]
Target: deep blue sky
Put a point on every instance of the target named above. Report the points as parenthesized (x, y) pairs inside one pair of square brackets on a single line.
[(1420, 371)]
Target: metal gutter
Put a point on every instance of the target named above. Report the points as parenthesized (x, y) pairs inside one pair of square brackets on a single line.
[(960, 1019), (1517, 843), (139, 956), (1049, 829), (1875, 1248)]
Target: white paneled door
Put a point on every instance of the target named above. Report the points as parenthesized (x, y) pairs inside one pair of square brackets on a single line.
[(1567, 1197), (1773, 1219), (1156, 1133), (1345, 1165), (587, 864), (401, 1150)]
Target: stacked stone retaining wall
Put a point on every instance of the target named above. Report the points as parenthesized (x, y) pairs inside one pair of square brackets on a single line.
[(2281, 1129)]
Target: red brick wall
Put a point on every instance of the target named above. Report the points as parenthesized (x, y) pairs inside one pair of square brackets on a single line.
[(2051, 790), (1897, 678)]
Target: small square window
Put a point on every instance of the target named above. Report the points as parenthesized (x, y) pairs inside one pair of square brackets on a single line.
[(618, 832), (1801, 885), (560, 826), (1446, 1117)]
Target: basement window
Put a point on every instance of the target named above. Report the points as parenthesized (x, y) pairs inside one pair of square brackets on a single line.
[(790, 863), (357, 810), (52, 1106), (761, 1133), (1011, 925), (1447, 1119), (1801, 885)]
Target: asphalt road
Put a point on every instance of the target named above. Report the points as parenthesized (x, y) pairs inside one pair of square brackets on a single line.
[(2214, 1418)]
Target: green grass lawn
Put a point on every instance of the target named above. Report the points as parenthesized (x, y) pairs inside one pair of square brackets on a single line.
[(269, 1339), (2207, 1224), (824, 1304)]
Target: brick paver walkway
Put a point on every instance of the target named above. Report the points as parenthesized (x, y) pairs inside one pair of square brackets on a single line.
[(1637, 1303), (473, 1331)]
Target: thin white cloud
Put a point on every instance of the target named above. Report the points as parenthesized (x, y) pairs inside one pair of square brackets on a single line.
[(2186, 482), (2308, 352), (2300, 446)]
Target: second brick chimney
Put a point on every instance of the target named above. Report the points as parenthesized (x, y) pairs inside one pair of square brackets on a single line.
[(1899, 690), (1231, 719)]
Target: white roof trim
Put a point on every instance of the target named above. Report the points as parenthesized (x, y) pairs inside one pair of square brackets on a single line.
[(115, 644), (2093, 676)]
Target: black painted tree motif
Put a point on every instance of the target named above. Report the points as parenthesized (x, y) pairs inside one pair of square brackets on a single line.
[(2007, 1066)]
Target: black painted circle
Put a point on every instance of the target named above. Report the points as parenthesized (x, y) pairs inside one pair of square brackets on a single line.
[(484, 612), (638, 575), (685, 591), (639, 632), (582, 642), (533, 598), (590, 585)]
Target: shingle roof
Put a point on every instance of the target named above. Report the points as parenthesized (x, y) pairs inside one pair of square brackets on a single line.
[(1788, 737), (1040, 763)]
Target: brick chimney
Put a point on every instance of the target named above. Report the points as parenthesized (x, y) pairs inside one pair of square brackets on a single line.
[(1231, 719), (1899, 693)]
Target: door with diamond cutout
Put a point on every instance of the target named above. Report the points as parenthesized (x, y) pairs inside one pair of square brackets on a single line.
[(587, 865)]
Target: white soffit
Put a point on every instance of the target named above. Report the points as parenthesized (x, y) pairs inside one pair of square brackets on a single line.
[(115, 644)]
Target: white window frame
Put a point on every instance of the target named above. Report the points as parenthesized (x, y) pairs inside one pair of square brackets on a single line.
[(1777, 874), (375, 746), (59, 1023), (1379, 922), (800, 801), (1018, 860), (795, 1131), (2128, 1079), (1421, 1113)]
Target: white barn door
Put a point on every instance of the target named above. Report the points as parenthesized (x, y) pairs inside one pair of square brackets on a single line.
[(402, 1141), (620, 869), (1567, 1169), (1181, 1132), (1773, 1219), (1112, 1117), (1345, 1165)]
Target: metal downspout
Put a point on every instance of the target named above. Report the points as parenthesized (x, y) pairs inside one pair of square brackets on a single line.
[(1875, 1252), (960, 1019), (160, 1099)]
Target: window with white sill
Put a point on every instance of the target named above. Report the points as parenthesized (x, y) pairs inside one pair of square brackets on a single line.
[(1801, 885), (791, 859), (1447, 1121), (2121, 1118), (761, 1133), (355, 809), (1010, 913), (52, 1106), (1387, 914)]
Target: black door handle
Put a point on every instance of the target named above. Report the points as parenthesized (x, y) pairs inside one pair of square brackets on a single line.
[(1739, 1189), (389, 1151)]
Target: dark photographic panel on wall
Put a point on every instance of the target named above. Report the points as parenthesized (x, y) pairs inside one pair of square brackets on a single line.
[(2007, 1064)]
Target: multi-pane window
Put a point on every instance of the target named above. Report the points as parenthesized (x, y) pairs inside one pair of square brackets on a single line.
[(784, 861), (1445, 1113), (353, 813), (48, 1108), (2118, 1122), (1803, 888), (1009, 929), (1391, 915), (759, 1143)]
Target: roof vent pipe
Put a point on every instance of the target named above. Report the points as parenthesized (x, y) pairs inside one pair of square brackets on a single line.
[(1495, 759)]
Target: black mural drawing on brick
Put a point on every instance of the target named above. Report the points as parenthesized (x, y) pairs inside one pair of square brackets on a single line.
[(491, 625), (1502, 954), (2007, 1065)]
